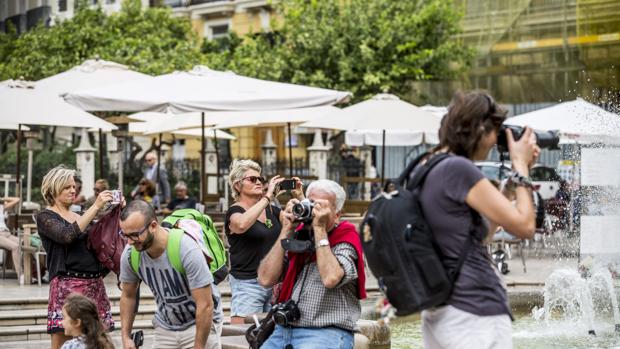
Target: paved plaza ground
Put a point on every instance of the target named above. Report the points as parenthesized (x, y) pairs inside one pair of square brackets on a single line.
[(538, 269)]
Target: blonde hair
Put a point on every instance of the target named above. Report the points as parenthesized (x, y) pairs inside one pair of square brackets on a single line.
[(54, 182), (237, 169)]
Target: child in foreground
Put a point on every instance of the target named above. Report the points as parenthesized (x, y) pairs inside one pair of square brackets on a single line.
[(81, 321)]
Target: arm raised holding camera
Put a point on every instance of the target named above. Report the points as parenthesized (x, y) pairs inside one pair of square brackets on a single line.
[(329, 268), (272, 266)]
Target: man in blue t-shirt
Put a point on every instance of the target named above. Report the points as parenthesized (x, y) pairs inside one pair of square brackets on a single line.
[(189, 311)]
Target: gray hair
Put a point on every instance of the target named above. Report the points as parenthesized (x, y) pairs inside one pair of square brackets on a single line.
[(329, 186), (180, 185), (144, 208), (237, 169)]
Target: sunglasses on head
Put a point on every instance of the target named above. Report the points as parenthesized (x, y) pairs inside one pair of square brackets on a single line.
[(254, 179)]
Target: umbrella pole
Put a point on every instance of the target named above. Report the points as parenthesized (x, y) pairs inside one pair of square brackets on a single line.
[(121, 162), (383, 159), (158, 158), (101, 175), (202, 157), (217, 159), (290, 150), (18, 182)]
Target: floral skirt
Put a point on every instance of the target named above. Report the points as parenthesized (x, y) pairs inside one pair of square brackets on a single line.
[(62, 286)]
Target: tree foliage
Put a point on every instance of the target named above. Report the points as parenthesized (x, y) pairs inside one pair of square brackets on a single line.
[(363, 46), (150, 41)]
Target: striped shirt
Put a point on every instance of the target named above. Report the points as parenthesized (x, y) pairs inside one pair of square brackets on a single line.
[(322, 307)]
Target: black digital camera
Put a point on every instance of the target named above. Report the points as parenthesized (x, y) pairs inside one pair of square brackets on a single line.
[(138, 338), (303, 211), (303, 239), (285, 313), (544, 139)]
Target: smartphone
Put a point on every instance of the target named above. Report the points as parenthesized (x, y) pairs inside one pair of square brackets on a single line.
[(117, 195), (287, 184), (138, 338)]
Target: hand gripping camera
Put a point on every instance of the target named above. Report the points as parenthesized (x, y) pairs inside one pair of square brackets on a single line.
[(544, 139), (303, 239), (303, 211)]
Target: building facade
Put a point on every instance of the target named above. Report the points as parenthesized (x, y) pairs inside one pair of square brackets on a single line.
[(26, 14)]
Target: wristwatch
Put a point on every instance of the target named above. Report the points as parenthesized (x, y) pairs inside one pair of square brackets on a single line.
[(321, 243)]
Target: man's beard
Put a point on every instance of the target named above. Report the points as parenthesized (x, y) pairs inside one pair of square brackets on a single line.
[(148, 242)]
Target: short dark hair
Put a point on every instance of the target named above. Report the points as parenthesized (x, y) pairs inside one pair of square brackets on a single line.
[(143, 207), (470, 116)]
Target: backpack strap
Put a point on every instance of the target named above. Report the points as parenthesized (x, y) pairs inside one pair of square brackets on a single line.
[(174, 249), (418, 180), (134, 259), (420, 176), (404, 176)]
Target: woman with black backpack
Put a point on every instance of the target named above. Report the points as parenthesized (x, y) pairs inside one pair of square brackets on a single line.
[(453, 198)]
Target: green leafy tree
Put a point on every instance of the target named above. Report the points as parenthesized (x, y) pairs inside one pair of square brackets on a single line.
[(150, 41), (363, 46)]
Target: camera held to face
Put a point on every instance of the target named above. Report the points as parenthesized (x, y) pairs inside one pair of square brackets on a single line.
[(544, 139), (303, 211), (285, 313), (303, 239)]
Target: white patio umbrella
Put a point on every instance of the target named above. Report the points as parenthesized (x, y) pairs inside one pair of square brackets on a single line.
[(151, 120), (30, 106), (92, 73), (578, 121), (232, 119), (203, 89), (400, 137), (25, 105), (397, 122)]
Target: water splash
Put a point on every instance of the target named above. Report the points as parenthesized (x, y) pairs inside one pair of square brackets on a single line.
[(571, 298)]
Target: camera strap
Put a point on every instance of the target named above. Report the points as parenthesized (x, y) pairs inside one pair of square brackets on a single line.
[(303, 280)]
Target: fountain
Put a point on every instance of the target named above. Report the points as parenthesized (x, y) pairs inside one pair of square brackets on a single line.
[(576, 297)]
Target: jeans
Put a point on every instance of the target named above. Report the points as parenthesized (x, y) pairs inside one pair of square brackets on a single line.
[(309, 338), (248, 297)]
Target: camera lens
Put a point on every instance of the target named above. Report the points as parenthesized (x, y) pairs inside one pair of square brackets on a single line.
[(298, 209)]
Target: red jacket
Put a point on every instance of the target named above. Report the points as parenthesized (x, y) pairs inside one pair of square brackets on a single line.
[(345, 232)]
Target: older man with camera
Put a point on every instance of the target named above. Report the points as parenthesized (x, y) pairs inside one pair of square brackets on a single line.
[(323, 280)]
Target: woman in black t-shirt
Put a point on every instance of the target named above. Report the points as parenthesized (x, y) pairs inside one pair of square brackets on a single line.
[(252, 226), (73, 268)]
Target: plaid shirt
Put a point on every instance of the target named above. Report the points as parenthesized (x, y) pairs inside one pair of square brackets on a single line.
[(323, 307)]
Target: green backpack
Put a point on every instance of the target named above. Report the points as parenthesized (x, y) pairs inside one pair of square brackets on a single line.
[(210, 238)]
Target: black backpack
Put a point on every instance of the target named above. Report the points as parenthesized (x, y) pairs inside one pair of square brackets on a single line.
[(400, 248)]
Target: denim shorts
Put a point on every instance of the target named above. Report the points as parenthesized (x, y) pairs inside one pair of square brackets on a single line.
[(309, 338), (248, 297)]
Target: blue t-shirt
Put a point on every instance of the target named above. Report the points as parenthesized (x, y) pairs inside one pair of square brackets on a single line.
[(176, 308), (478, 289)]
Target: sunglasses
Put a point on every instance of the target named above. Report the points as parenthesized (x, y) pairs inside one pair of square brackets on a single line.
[(135, 236), (255, 179)]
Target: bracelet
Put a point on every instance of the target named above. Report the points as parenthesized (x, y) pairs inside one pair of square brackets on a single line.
[(268, 200), (520, 180)]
